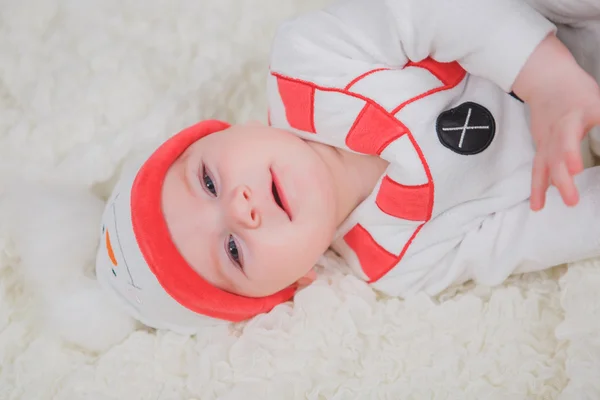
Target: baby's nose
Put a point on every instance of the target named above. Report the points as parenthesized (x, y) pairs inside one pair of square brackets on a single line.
[(242, 208)]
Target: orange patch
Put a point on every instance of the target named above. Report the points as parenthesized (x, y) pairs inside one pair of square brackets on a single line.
[(109, 249)]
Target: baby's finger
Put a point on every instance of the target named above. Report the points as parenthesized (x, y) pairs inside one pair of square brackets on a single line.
[(570, 145), (592, 118), (574, 161), (564, 183), (540, 181)]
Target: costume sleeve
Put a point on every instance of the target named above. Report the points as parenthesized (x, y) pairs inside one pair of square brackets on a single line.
[(489, 38), (575, 12), (519, 240), (513, 241)]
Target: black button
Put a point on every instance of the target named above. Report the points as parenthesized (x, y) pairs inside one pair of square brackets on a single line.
[(467, 129)]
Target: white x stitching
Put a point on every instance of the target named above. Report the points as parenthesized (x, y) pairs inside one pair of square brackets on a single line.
[(465, 127)]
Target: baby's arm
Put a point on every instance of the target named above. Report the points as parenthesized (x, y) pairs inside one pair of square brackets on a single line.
[(565, 105), (564, 99)]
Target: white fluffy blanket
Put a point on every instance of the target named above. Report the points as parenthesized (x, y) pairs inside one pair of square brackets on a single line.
[(84, 85)]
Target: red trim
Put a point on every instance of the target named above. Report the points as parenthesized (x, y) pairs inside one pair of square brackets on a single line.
[(372, 108), (361, 77), (404, 250), (374, 259), (373, 131), (299, 102), (174, 274), (407, 202), (429, 176), (328, 89), (450, 74)]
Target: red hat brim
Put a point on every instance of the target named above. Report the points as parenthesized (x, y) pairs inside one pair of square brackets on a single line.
[(173, 273)]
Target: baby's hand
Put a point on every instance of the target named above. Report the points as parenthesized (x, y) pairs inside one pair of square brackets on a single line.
[(565, 104)]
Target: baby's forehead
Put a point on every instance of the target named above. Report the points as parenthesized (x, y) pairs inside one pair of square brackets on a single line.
[(207, 142), (212, 142)]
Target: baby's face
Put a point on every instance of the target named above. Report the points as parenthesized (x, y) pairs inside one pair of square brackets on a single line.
[(250, 208)]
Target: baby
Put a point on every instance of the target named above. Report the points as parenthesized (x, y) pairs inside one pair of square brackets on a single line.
[(402, 134)]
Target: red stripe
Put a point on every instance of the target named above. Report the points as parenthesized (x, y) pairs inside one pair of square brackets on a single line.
[(360, 77), (429, 177), (450, 74), (407, 202), (374, 259), (373, 130), (298, 99)]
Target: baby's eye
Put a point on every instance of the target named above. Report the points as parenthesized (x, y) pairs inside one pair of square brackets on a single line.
[(233, 252), (208, 182)]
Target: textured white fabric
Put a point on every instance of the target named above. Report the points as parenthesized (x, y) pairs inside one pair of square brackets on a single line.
[(85, 85)]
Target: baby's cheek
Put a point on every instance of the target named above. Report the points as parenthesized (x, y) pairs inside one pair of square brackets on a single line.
[(286, 260)]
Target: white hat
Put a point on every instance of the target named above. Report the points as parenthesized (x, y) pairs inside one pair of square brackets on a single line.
[(139, 263)]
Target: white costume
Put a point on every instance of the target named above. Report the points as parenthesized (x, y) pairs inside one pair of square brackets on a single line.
[(453, 203), (451, 206)]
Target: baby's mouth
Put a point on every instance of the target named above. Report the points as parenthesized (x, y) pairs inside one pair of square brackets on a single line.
[(279, 196), (276, 196)]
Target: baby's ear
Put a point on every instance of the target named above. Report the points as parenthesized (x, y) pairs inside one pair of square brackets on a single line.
[(307, 279)]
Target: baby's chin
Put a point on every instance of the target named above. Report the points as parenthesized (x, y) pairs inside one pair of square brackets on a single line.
[(256, 293), (260, 291)]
